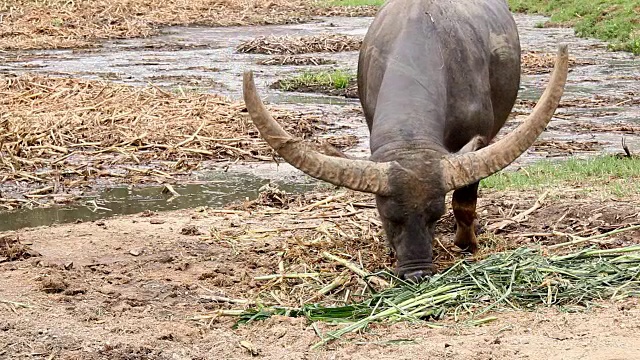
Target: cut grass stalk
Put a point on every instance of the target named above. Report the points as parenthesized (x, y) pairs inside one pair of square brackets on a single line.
[(362, 273), (336, 79), (579, 239), (288, 276)]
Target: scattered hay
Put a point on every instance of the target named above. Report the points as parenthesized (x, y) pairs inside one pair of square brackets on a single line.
[(562, 148), (291, 45), (58, 133), (12, 250), (537, 63), (591, 102), (295, 60), (269, 195), (589, 126), (51, 24)]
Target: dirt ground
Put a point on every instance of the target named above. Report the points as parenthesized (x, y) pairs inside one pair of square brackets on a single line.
[(129, 287)]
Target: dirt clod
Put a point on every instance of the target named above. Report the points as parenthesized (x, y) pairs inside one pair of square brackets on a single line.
[(190, 230), (12, 250), (53, 284)]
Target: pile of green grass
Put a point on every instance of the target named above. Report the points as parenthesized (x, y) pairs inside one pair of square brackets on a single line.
[(336, 79), (519, 279), (615, 21)]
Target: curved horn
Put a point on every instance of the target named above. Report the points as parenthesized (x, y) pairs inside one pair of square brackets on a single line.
[(360, 175), (462, 170)]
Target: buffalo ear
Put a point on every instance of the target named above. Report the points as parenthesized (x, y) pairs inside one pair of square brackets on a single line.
[(477, 143)]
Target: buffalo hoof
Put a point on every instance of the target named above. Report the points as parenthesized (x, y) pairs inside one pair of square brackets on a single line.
[(417, 276)]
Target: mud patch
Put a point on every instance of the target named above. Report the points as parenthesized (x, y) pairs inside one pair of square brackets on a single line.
[(291, 45)]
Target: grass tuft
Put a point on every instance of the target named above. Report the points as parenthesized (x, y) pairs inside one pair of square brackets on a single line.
[(617, 174), (336, 79)]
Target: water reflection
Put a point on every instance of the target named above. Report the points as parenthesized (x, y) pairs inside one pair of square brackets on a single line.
[(224, 189)]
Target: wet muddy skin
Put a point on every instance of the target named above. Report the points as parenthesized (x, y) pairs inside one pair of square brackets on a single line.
[(204, 59)]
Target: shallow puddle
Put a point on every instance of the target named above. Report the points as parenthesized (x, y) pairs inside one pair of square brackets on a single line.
[(215, 190)]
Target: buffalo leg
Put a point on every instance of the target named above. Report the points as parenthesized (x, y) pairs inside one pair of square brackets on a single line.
[(464, 209), (464, 206)]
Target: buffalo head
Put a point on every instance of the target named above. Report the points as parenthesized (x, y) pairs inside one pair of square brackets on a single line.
[(410, 190)]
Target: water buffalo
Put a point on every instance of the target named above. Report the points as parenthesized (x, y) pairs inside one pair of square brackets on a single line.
[(437, 81)]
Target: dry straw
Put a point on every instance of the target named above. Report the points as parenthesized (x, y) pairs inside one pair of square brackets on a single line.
[(292, 45), (295, 60), (58, 133), (541, 63), (46, 24)]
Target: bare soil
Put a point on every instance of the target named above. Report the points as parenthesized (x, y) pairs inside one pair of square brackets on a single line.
[(129, 287)]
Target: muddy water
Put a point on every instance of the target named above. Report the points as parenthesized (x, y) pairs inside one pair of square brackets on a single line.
[(190, 57), (204, 59), (215, 190)]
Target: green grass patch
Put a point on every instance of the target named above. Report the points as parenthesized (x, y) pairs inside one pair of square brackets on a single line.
[(336, 79), (616, 174), (521, 279), (615, 21), (355, 2)]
